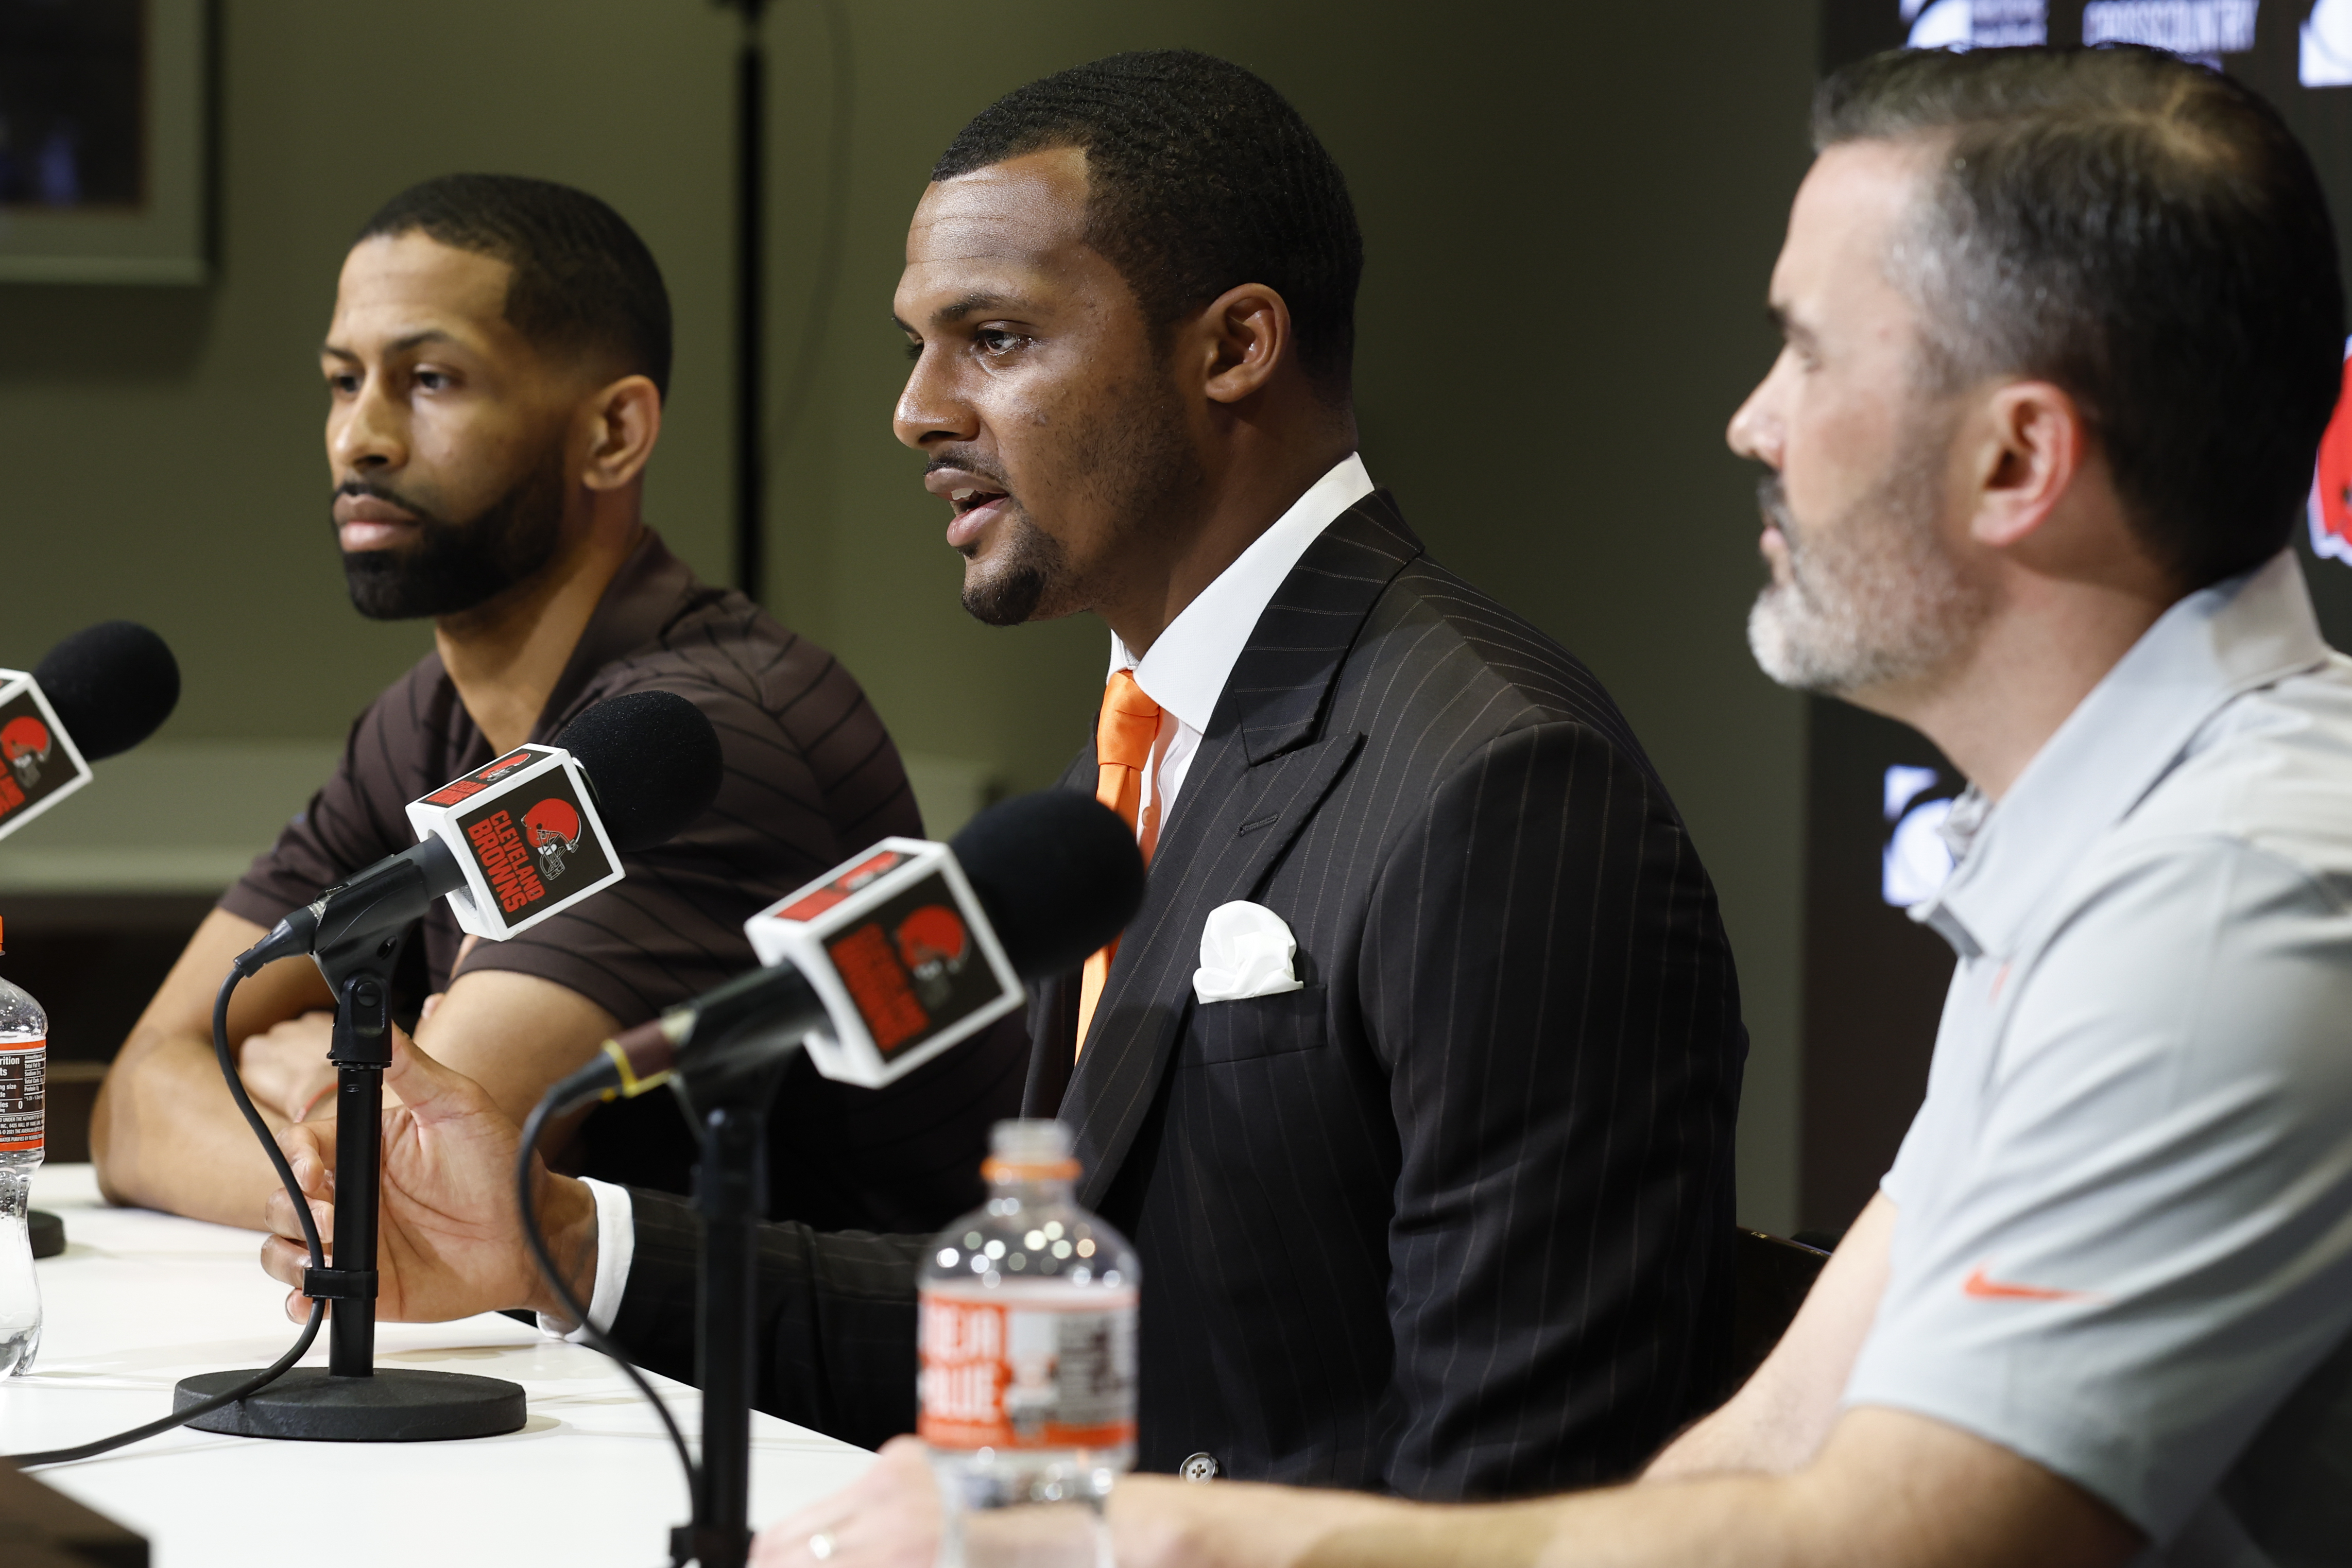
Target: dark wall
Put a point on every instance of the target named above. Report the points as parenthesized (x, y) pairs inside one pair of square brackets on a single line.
[(1873, 981)]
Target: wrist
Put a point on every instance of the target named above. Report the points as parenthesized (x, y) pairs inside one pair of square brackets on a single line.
[(567, 1218)]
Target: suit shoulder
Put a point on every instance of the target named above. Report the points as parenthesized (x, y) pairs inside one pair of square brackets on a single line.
[(1443, 658)]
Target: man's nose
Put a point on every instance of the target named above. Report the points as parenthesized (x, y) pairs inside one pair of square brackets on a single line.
[(930, 409), (1755, 430), (366, 432)]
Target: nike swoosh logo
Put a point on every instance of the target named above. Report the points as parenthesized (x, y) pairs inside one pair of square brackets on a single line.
[(1985, 1288)]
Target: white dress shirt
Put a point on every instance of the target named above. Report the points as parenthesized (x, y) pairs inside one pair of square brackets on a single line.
[(1185, 673), (1186, 670), (2123, 1239)]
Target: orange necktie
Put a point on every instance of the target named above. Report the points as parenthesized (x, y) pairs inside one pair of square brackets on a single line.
[(1123, 738)]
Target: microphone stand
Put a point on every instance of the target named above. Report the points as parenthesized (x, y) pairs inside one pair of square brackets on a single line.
[(726, 1104), (350, 1401)]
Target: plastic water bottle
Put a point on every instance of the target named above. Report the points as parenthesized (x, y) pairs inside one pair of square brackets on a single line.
[(24, 1076), (1028, 1347)]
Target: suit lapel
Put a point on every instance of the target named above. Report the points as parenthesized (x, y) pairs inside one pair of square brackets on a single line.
[(1263, 769)]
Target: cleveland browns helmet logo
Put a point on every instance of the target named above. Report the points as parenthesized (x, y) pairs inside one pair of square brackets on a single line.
[(934, 944), (552, 829), (25, 742)]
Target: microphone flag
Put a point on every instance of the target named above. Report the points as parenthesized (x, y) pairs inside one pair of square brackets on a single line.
[(39, 764), (899, 949), (524, 831)]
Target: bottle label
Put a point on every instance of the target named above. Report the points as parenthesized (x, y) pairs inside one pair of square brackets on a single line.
[(1027, 1374), (24, 1079)]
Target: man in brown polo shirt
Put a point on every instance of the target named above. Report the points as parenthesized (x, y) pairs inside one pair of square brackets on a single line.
[(495, 371)]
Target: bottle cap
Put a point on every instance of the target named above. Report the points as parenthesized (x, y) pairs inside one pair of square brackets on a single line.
[(1029, 1151)]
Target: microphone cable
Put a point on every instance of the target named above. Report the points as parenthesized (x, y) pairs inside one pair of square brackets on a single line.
[(267, 1374), (595, 1338)]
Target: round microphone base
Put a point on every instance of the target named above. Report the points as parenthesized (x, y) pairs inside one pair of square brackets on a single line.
[(310, 1403)]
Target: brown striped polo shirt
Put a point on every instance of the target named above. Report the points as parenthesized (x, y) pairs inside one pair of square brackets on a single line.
[(811, 777)]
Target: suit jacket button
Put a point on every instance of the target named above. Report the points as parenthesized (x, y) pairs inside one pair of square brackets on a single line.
[(1199, 1468)]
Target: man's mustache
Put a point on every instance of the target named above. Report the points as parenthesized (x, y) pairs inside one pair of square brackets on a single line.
[(1772, 500), (424, 516), (949, 458)]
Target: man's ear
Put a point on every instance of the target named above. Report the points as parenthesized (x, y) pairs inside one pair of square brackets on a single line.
[(624, 423), (2033, 443), (1243, 335)]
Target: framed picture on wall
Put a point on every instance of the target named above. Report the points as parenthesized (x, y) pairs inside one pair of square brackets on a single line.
[(104, 160)]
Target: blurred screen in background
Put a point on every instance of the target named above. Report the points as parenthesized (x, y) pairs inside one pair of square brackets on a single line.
[(72, 90)]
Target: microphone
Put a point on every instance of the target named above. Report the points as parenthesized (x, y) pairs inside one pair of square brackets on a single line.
[(889, 959), (526, 836), (98, 692)]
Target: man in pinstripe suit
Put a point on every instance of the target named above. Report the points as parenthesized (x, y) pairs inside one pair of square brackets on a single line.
[(1448, 1212), (1451, 1217)]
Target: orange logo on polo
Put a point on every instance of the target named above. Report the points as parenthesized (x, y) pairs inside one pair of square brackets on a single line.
[(1985, 1288)]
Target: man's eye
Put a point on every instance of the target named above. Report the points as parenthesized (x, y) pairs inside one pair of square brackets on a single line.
[(347, 386), (996, 340), (432, 381), (914, 350)]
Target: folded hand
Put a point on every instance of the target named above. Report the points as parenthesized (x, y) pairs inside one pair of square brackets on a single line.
[(449, 1242)]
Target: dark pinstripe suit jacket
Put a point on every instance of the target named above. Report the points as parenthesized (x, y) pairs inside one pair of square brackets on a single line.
[(1455, 1220)]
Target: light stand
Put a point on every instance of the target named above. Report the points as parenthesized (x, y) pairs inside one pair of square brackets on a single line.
[(350, 1401), (750, 283)]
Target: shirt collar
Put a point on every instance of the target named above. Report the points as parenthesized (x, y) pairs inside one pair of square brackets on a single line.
[(652, 589), (2212, 646), (1186, 670)]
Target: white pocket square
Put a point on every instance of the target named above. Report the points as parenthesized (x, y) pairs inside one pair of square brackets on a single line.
[(1245, 951)]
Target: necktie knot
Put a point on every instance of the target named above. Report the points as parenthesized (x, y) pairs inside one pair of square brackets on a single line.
[(1129, 724)]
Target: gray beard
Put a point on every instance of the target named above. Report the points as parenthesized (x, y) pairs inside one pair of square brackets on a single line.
[(1873, 600)]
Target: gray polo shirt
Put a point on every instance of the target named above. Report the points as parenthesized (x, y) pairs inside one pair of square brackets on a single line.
[(2124, 1238)]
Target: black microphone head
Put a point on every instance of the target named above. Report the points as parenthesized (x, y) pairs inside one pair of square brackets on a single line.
[(655, 761), (1058, 873), (113, 685)]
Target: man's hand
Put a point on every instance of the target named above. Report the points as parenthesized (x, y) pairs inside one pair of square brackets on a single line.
[(286, 1067), (165, 1135), (448, 1242), (887, 1517)]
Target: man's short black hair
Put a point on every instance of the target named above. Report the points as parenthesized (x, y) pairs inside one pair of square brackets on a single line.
[(1201, 177), (2143, 232), (583, 283)]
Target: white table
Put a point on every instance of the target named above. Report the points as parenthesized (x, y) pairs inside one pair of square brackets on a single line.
[(141, 1300)]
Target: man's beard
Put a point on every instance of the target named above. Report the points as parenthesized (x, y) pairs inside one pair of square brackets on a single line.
[(1140, 461), (1029, 561), (1873, 599), (454, 567)]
